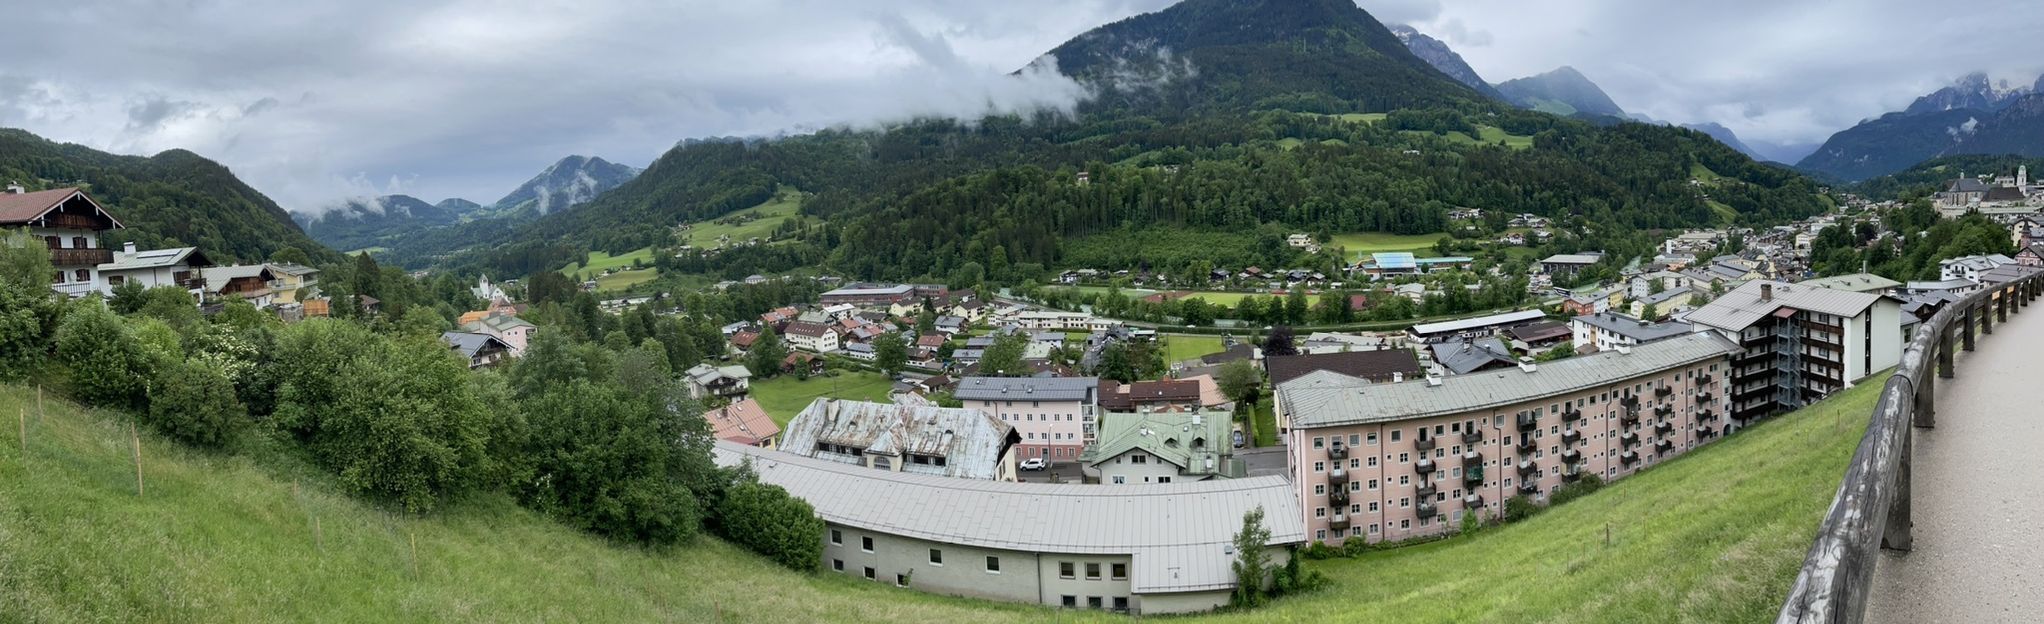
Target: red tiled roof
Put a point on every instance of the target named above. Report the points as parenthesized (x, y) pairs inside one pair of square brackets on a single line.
[(743, 340), (744, 422)]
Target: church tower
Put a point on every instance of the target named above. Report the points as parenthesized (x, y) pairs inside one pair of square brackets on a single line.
[(2022, 176)]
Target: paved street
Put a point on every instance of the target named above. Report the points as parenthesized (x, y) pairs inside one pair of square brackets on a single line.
[(1978, 497)]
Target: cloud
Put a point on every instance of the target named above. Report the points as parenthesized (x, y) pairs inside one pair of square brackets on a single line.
[(152, 112)]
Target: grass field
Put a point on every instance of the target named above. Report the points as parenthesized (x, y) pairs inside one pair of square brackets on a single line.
[(623, 280), (769, 216), (1725, 212), (1366, 243), (1703, 174), (1181, 348), (1713, 536), (368, 250), (783, 397), (599, 261), (1487, 135)]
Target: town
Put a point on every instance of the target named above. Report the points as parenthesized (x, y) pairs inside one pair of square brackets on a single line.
[(1338, 430)]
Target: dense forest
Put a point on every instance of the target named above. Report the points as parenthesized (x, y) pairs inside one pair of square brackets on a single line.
[(172, 199)]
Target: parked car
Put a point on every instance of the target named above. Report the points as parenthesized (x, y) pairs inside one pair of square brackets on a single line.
[(1033, 463)]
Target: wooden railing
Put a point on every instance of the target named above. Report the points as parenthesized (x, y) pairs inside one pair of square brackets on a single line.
[(1871, 510)]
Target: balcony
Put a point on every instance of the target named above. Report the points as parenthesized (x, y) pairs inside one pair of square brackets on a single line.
[(1338, 522), (1472, 436), (1427, 510), (1571, 415), (1663, 392), (1704, 430), (1338, 496), (1629, 458), (1629, 418), (1337, 478), (1571, 436), (1572, 475), (1423, 444), (80, 257), (1424, 466), (1706, 416), (1704, 380), (1337, 451), (1706, 398), (1628, 440), (1571, 456), (1664, 411), (1528, 422), (1473, 475), (1525, 444), (1426, 491), (1528, 467), (1664, 446), (1663, 427), (1529, 488), (1472, 458), (1629, 402), (1472, 501)]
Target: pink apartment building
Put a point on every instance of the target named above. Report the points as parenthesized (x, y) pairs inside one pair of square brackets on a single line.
[(1402, 460), (1056, 416)]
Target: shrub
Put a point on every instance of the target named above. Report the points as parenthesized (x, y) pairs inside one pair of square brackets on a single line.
[(766, 519), (1571, 491), (194, 402), (1519, 508), (108, 366)]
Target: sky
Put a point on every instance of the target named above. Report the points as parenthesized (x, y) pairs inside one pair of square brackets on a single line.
[(313, 102)]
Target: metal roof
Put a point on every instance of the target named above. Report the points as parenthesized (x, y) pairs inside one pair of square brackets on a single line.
[(470, 344), (1462, 357), (1178, 535), (1856, 282), (1026, 388), (1325, 399), (870, 289), (1740, 308), (1572, 259), (970, 441), (1634, 329), (1394, 260), (1478, 322), (1196, 442), (154, 258)]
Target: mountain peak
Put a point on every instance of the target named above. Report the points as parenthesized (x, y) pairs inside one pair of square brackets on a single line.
[(569, 181), (1444, 59), (1562, 91), (1973, 90), (1329, 55)]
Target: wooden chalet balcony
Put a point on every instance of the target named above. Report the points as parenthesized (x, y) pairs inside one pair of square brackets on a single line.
[(62, 221), (80, 257)]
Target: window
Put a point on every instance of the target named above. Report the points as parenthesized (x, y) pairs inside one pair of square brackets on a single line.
[(1404, 524), (1163, 479), (1320, 534), (1092, 571), (1070, 602), (1404, 502), (1319, 442), (1351, 439), (869, 574), (1319, 466), (994, 564), (1065, 570), (1118, 571), (1319, 490), (837, 565), (1404, 457), (1394, 435), (901, 580), (1373, 439), (1373, 461), (1373, 506), (1373, 484), (84, 275), (1092, 602), (866, 544), (1121, 603), (1139, 459), (78, 242), (936, 557), (837, 538), (1319, 512), (1118, 479)]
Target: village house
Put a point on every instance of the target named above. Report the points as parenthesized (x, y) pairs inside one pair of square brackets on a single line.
[(70, 224), (289, 279), (178, 267), (1383, 365), (1566, 266), (1470, 355), (479, 349), (515, 332), (1055, 416), (939, 441), (247, 282), (743, 422), (1162, 447), (1801, 343), (1970, 268), (705, 381), (1603, 332), (811, 337)]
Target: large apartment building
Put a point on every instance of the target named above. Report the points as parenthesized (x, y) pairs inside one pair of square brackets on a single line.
[(1802, 343), (1402, 460), (1056, 416), (70, 224), (939, 441)]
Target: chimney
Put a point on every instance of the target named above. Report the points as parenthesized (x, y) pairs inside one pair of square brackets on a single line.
[(1766, 292), (1624, 349), (14, 188), (1526, 364), (128, 247), (1397, 376), (1433, 381)]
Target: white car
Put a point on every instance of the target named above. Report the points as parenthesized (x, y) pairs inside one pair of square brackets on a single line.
[(1033, 463)]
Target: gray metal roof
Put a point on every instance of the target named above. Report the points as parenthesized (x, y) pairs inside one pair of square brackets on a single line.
[(1632, 328), (1740, 308), (1465, 356), (1481, 321), (1856, 282), (470, 344), (1177, 534), (1325, 399), (152, 258), (970, 441), (1572, 259), (1027, 388)]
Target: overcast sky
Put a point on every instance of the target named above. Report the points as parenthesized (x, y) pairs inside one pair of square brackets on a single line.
[(314, 101)]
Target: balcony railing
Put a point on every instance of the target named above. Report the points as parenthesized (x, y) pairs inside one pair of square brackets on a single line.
[(1472, 458), (1629, 401), (1629, 418), (1337, 478), (1337, 451), (1427, 510), (1663, 392), (1529, 487), (1629, 458), (1704, 380), (1706, 398), (1472, 436), (1472, 501), (1426, 490), (1526, 443), (1873, 500), (1571, 415), (1664, 411), (1339, 521), (1571, 436), (1424, 466), (1572, 474), (1663, 427), (80, 257), (1629, 439), (1528, 467), (1529, 422), (1423, 444), (1338, 496), (1664, 446), (1571, 456)]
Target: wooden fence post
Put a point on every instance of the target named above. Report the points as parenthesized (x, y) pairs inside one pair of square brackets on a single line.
[(415, 555), (39, 403), (136, 438), (1926, 400), (21, 422), (1967, 326), (1895, 535), (1945, 352)]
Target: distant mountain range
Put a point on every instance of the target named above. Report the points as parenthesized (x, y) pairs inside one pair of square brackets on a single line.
[(1564, 91), (370, 222), (1971, 116)]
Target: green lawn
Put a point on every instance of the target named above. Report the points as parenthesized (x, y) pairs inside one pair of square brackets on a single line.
[(368, 250), (1725, 212), (785, 396), (1181, 348), (769, 215), (1714, 536), (599, 261), (1366, 243), (1487, 135), (1703, 174), (623, 280)]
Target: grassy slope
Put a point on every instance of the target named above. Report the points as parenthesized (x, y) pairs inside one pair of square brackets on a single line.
[(1715, 536), (599, 261), (771, 213), (783, 397), (1365, 243)]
